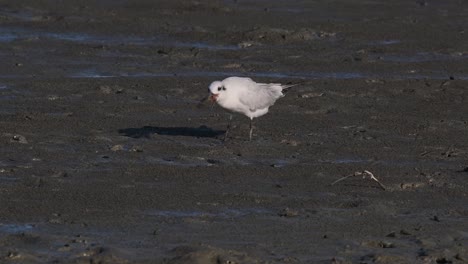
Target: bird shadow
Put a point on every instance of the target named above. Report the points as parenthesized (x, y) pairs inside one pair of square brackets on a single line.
[(147, 131)]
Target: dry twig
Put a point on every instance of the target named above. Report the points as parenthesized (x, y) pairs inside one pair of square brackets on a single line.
[(364, 174)]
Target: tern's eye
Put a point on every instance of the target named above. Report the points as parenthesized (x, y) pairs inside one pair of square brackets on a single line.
[(219, 88), (224, 88)]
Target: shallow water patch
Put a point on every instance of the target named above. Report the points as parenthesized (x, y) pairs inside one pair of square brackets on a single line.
[(6, 180), (184, 161), (225, 213), (15, 228), (386, 42), (20, 15), (420, 57), (345, 161), (13, 34), (93, 73), (7, 37), (202, 45)]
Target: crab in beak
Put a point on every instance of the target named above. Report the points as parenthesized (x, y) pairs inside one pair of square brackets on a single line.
[(213, 97)]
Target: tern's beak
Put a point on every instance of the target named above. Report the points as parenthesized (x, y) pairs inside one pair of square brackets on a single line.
[(213, 97)]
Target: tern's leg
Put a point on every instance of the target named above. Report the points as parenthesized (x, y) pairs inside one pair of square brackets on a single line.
[(228, 128), (251, 128)]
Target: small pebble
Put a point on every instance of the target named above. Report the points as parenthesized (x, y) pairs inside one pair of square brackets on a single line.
[(245, 44), (311, 95), (404, 232), (384, 244), (105, 89), (20, 139), (117, 148), (12, 254), (136, 149), (65, 247), (60, 174), (288, 212)]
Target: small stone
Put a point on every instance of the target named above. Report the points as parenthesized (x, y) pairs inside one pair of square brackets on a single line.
[(20, 139), (55, 221), (293, 143), (136, 149), (404, 232), (384, 244), (459, 257), (245, 44), (12, 254), (60, 174), (435, 218), (232, 66), (392, 234), (65, 247), (117, 148), (288, 212), (443, 261), (105, 89), (311, 95)]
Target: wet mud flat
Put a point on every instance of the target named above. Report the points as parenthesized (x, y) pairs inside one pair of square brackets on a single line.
[(107, 156)]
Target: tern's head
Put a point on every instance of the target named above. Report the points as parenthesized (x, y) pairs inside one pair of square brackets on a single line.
[(216, 90)]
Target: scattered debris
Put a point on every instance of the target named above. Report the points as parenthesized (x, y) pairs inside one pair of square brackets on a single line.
[(364, 174)]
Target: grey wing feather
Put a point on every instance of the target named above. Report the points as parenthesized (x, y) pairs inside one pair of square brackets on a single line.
[(261, 95)]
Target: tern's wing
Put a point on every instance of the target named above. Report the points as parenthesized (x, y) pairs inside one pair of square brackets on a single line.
[(260, 95)]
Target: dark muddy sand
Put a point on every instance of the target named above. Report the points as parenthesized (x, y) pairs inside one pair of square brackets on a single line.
[(107, 157)]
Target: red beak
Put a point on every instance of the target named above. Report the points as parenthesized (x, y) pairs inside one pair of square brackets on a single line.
[(213, 97)]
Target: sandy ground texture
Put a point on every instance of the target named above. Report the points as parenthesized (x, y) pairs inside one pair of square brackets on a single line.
[(106, 156)]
